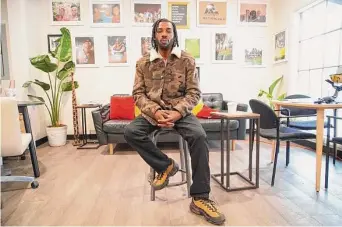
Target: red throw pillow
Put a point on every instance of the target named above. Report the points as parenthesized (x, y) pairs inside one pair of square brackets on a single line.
[(121, 108), (205, 112)]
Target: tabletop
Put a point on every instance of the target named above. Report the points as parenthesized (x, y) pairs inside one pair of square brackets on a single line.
[(29, 103), (89, 105), (308, 105), (235, 115)]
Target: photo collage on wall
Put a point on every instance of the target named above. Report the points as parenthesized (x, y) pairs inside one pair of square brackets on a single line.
[(89, 50)]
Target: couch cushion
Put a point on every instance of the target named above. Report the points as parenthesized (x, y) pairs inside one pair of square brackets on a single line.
[(213, 125), (213, 100), (121, 108), (115, 126)]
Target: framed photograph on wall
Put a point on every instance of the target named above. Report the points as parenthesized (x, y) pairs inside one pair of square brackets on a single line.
[(145, 13), (192, 45), (145, 45), (66, 12), (52, 41), (211, 13), (252, 13), (198, 73), (223, 48), (106, 13), (280, 48), (178, 13), (85, 51), (254, 53), (117, 50)]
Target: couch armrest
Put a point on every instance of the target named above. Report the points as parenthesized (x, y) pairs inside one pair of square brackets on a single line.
[(100, 116)]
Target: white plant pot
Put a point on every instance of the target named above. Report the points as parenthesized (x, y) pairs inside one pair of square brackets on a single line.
[(57, 135)]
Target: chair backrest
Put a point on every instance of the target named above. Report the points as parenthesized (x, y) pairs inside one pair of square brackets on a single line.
[(268, 118), (298, 111), (11, 144), (213, 100)]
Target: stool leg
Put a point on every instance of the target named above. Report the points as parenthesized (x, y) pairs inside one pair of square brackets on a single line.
[(153, 193), (181, 154), (187, 169)]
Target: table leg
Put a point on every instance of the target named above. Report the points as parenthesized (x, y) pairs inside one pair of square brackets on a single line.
[(222, 151), (251, 132), (228, 157), (32, 145), (257, 152), (319, 146)]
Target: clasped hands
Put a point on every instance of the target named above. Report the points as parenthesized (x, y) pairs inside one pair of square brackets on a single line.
[(166, 118)]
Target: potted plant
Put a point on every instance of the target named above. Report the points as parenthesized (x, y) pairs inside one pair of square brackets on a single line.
[(60, 76), (269, 94)]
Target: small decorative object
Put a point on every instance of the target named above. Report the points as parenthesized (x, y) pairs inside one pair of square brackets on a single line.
[(59, 73), (280, 47), (211, 13), (10, 91), (145, 13), (332, 99), (252, 13), (53, 42), (269, 95), (223, 51), (106, 13), (66, 12), (179, 14)]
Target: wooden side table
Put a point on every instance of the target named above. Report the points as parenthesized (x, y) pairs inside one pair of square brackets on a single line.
[(83, 108), (254, 120)]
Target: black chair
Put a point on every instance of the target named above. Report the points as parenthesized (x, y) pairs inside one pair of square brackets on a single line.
[(336, 140), (271, 129)]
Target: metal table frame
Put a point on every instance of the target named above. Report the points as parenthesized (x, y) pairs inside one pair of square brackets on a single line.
[(228, 173)]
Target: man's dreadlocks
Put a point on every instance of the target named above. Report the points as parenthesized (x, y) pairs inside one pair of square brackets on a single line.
[(154, 30)]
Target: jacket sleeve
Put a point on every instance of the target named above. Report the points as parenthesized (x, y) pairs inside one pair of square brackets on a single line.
[(192, 90), (145, 105)]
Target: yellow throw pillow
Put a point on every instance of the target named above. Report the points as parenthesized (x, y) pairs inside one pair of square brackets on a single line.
[(198, 107), (137, 111)]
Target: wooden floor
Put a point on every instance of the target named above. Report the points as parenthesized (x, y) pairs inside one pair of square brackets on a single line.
[(90, 187)]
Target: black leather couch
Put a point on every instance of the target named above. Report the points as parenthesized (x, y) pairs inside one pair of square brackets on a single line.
[(110, 132)]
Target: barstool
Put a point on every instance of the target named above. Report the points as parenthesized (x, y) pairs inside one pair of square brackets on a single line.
[(184, 161)]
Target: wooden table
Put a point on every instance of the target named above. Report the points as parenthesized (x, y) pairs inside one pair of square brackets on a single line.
[(320, 108), (22, 106), (254, 119)]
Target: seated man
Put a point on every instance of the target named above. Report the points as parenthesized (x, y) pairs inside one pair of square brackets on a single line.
[(166, 89)]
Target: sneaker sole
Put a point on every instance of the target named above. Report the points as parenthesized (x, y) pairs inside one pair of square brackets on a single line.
[(200, 212), (172, 173)]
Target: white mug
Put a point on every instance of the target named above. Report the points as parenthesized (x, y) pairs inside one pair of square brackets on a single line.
[(10, 92), (231, 106)]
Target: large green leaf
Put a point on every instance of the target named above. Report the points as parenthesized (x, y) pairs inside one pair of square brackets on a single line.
[(282, 96), (67, 86), (37, 97), (43, 85), (63, 51), (262, 92), (274, 84), (66, 71), (43, 63)]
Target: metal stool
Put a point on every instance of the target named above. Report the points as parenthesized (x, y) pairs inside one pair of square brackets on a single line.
[(184, 162)]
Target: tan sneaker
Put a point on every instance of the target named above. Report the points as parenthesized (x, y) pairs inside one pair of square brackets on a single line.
[(162, 179), (208, 209)]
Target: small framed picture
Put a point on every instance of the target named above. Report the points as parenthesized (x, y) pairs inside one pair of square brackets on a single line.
[(252, 13), (53, 42), (191, 43), (117, 50), (145, 13), (212, 13), (145, 44), (280, 47), (254, 53), (85, 50), (223, 49), (66, 12), (178, 13), (106, 13), (198, 73)]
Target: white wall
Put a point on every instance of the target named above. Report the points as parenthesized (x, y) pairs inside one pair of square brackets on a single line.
[(30, 24)]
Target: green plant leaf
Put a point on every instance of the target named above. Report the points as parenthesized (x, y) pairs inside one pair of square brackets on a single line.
[(67, 86), (63, 51), (37, 97), (66, 71), (262, 92), (43, 85), (43, 63), (281, 97), (274, 84)]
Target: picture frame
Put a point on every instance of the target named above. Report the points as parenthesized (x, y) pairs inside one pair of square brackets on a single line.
[(52, 43), (280, 46), (191, 43), (85, 51), (253, 13), (66, 12), (198, 72), (210, 14), (145, 44), (224, 48), (140, 8), (178, 13), (106, 13), (254, 53), (117, 49)]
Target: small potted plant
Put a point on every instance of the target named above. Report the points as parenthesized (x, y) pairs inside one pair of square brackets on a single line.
[(60, 76), (269, 95)]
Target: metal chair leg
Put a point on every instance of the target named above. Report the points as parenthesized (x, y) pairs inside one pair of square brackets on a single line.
[(182, 154), (275, 162), (187, 166), (287, 153)]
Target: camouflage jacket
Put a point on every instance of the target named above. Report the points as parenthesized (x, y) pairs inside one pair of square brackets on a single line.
[(171, 85)]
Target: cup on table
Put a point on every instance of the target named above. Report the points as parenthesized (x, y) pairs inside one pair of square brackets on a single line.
[(232, 107)]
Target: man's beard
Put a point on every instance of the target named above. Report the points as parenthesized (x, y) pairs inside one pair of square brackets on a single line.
[(165, 46)]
